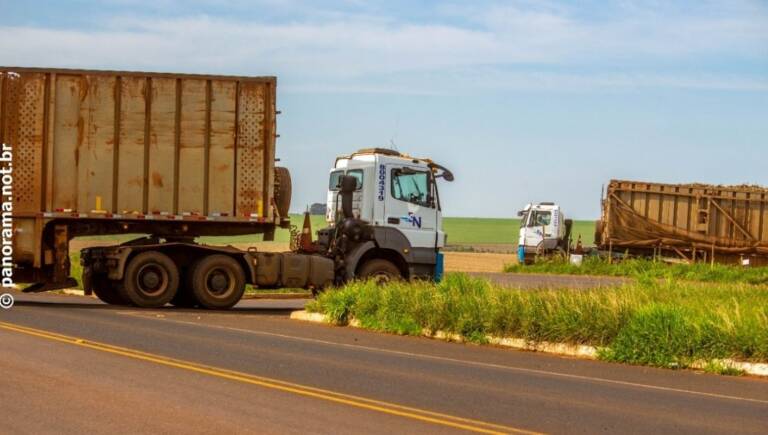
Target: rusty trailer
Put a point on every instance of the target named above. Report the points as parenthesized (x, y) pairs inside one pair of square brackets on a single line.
[(107, 152), (695, 222)]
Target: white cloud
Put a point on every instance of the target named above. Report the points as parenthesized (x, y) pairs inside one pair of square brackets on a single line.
[(520, 46)]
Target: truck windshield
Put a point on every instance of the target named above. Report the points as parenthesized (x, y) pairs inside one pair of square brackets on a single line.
[(539, 218), (334, 183)]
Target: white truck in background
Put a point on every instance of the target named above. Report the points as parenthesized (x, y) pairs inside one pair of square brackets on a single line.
[(543, 230)]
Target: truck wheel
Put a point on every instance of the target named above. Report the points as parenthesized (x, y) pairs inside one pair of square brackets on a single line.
[(151, 280), (218, 282), (379, 270), (107, 291)]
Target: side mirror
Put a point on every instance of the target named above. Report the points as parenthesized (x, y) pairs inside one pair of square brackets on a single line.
[(348, 184), (520, 213), (446, 175)]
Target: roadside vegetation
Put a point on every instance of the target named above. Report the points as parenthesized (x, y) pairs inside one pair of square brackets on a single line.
[(663, 323), (647, 269)]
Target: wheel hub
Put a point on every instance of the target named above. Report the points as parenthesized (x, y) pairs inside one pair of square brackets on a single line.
[(151, 279), (382, 278), (218, 282)]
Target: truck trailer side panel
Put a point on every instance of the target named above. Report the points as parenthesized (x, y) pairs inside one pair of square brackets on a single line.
[(689, 220), (110, 145)]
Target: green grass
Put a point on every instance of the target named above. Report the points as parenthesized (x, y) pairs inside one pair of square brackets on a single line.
[(658, 323), (461, 231), (647, 269), (76, 270), (469, 231)]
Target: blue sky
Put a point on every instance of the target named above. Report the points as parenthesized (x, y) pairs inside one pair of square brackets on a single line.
[(524, 100)]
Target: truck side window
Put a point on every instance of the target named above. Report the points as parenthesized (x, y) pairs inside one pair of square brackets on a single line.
[(335, 182), (411, 186)]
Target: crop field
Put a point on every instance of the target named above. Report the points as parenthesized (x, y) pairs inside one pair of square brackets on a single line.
[(479, 233), (474, 244), (473, 234), (468, 233)]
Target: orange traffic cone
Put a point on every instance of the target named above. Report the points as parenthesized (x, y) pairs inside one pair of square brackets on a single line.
[(306, 234)]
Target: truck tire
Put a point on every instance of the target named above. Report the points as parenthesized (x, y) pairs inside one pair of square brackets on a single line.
[(282, 190), (151, 280), (107, 291), (218, 282), (380, 270)]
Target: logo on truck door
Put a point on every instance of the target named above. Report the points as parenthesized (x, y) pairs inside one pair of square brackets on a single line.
[(414, 220)]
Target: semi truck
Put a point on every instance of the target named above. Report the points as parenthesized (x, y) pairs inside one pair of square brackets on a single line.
[(686, 222), (174, 157)]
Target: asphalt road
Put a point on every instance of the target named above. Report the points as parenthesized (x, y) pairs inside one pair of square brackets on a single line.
[(69, 364)]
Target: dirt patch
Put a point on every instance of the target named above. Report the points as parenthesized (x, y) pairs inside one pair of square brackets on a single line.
[(499, 248), (477, 262)]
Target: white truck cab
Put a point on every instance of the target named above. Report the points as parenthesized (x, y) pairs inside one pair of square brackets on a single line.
[(543, 229), (397, 197)]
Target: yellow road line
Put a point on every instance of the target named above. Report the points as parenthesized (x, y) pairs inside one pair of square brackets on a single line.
[(465, 362), (303, 390)]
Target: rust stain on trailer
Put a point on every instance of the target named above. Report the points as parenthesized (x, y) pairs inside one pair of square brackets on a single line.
[(136, 182), (157, 179)]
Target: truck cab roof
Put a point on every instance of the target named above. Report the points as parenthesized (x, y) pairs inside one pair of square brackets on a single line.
[(369, 154), (541, 206), (390, 156)]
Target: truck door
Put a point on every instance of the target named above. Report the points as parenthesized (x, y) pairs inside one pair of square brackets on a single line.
[(538, 227), (411, 204)]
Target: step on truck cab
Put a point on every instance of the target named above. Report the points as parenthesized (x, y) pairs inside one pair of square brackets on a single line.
[(394, 215)]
